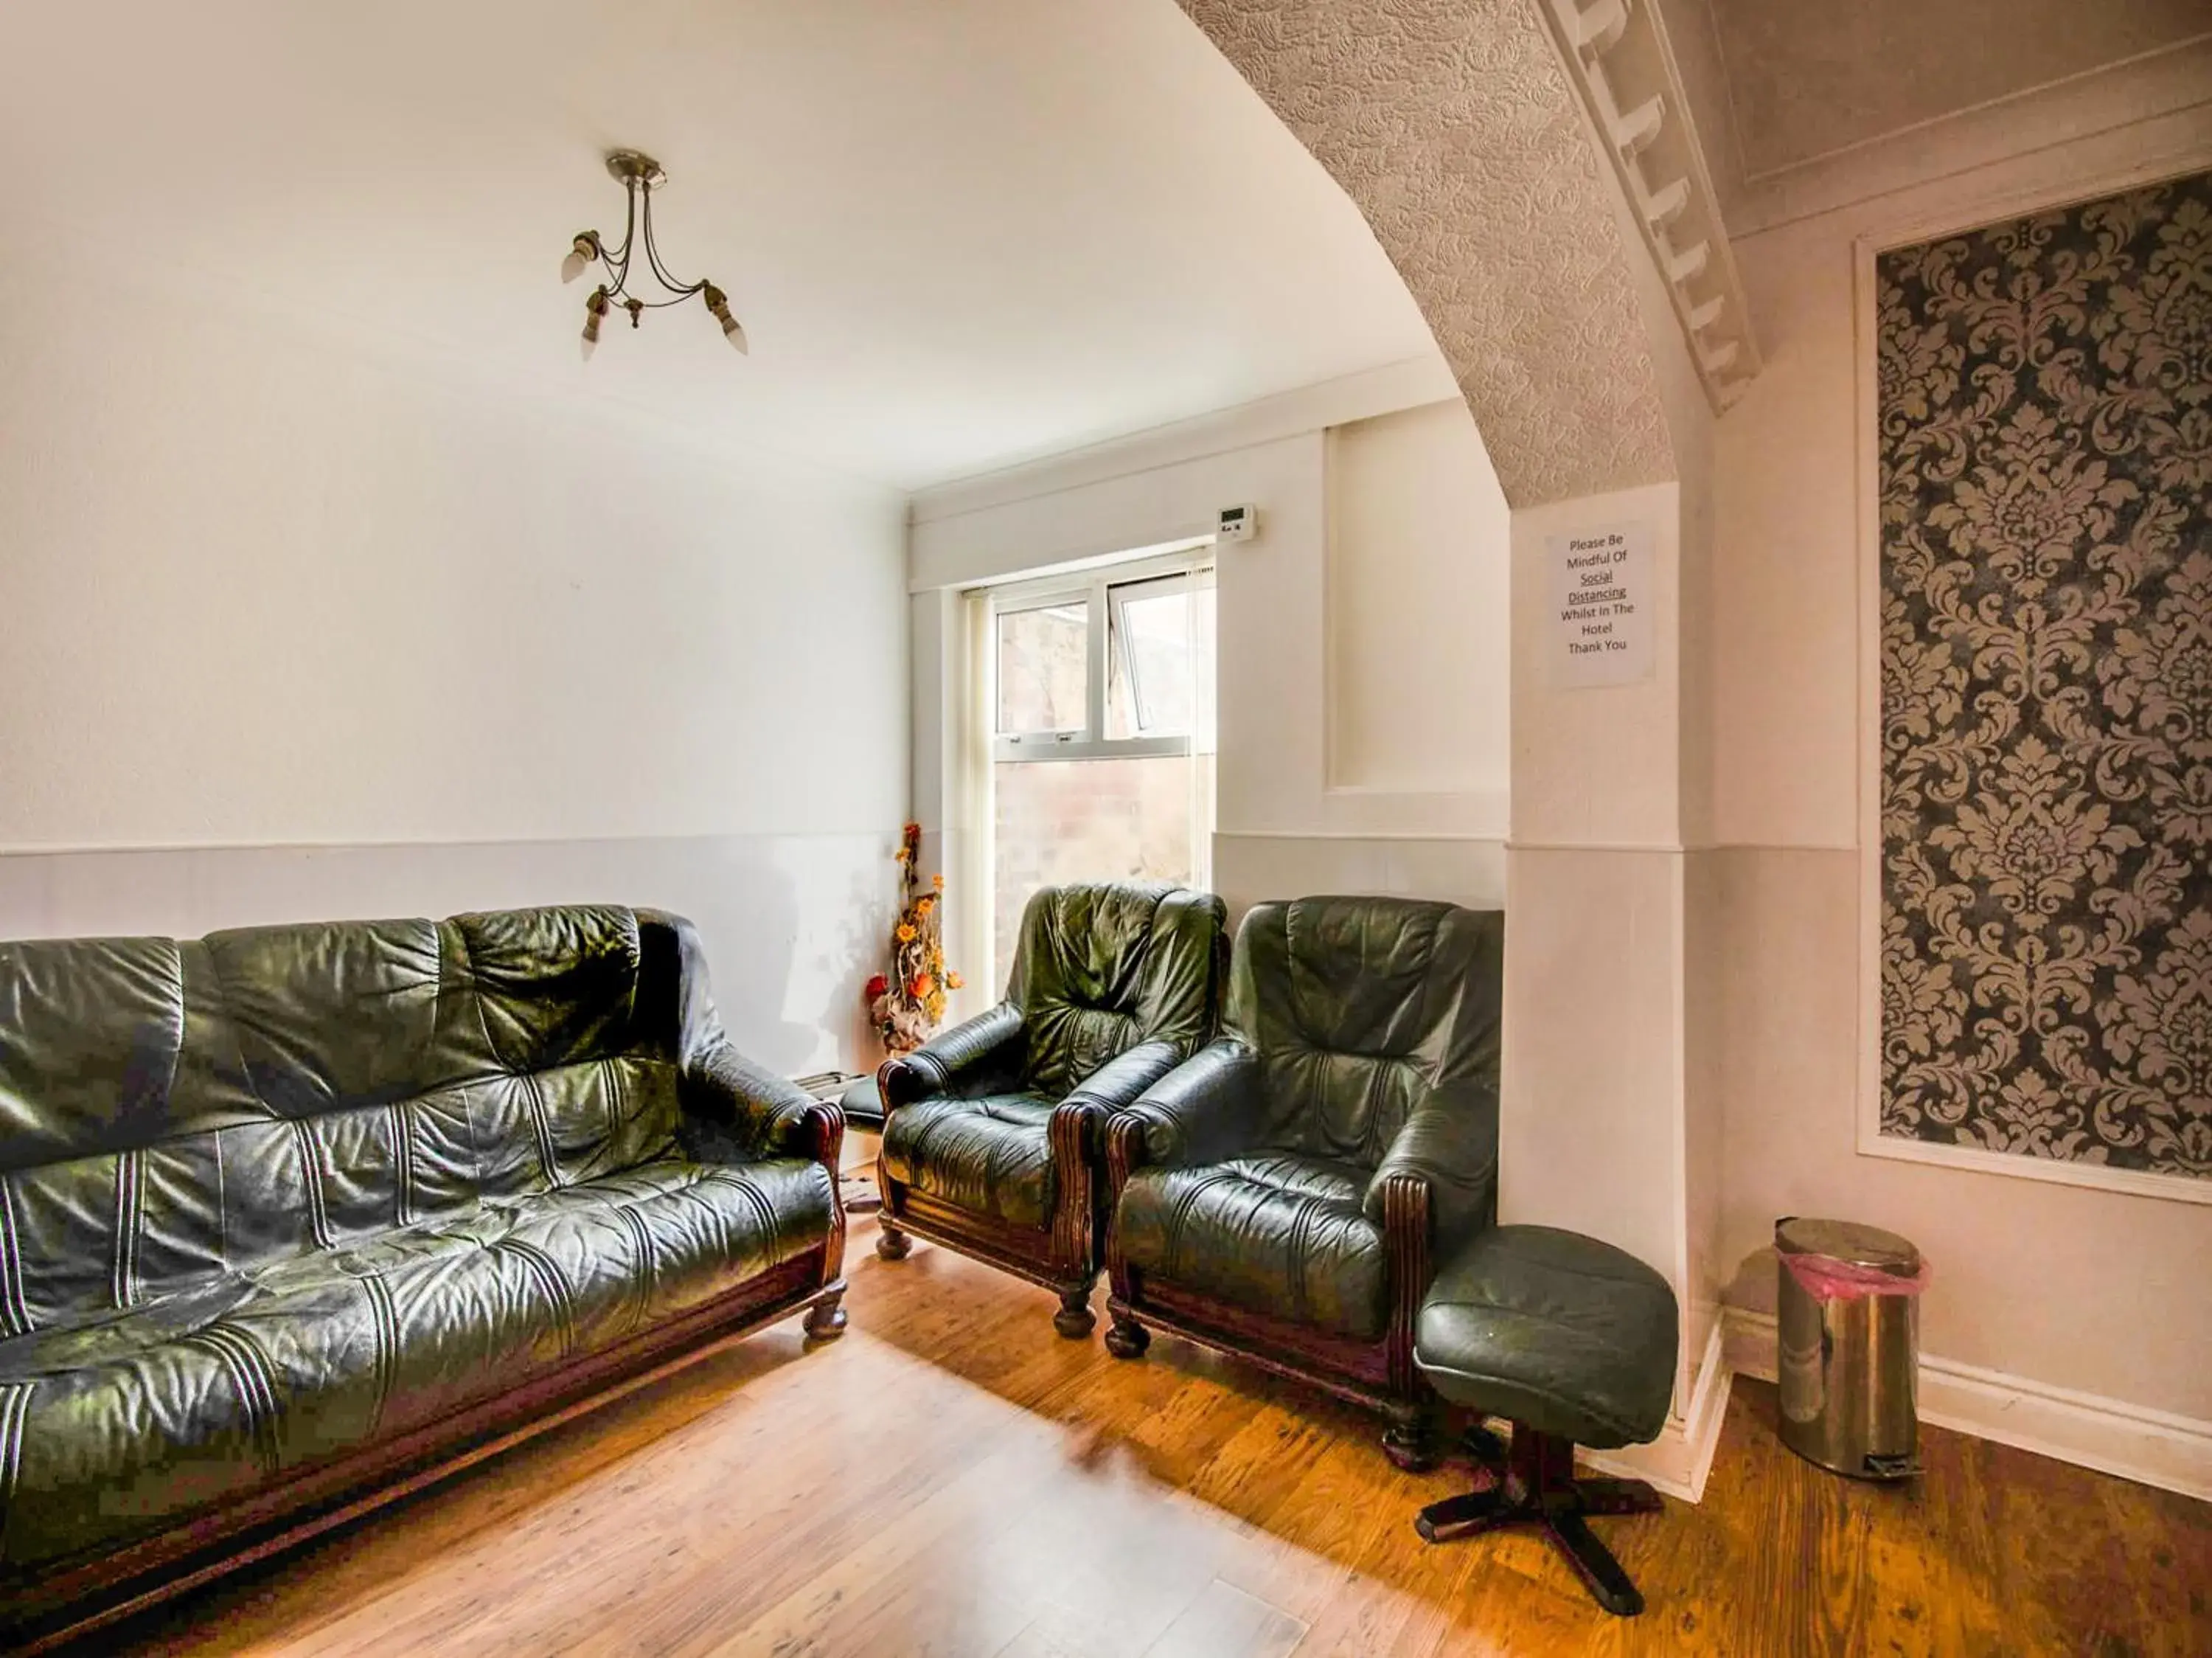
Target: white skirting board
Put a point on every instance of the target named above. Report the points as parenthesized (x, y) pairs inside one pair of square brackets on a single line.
[(2150, 1447), (1678, 1461)]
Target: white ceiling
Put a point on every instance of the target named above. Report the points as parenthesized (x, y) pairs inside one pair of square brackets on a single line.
[(960, 232)]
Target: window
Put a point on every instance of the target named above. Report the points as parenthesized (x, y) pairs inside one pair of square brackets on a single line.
[(1101, 713), (1043, 649), (1152, 655)]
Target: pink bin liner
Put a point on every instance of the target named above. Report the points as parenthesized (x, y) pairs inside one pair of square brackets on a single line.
[(1826, 1278)]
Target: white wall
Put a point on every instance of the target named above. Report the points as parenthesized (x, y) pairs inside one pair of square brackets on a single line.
[(1599, 1129), (1362, 637), (266, 589), (1417, 595), (1365, 670), (2098, 1292)]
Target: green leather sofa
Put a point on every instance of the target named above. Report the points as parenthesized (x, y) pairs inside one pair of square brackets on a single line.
[(1283, 1194), (294, 1217), (992, 1129)]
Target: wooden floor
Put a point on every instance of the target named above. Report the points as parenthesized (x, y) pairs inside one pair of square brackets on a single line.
[(952, 1478)]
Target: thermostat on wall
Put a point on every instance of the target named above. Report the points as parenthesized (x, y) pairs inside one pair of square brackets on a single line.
[(1238, 523)]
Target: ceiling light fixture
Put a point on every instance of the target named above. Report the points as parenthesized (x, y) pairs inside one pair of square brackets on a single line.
[(641, 175)]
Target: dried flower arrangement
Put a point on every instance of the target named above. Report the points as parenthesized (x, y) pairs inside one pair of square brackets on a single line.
[(908, 1003)]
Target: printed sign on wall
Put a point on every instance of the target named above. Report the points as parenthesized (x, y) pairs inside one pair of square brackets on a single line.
[(1601, 602)]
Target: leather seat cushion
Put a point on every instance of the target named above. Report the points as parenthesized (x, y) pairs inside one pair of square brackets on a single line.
[(990, 1155), (1550, 1328), (862, 1102), (1276, 1233), (121, 1423)]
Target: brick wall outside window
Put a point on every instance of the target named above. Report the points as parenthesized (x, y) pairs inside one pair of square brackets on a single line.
[(1068, 821)]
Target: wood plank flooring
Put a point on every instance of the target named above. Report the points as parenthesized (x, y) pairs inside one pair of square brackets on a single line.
[(952, 1478)]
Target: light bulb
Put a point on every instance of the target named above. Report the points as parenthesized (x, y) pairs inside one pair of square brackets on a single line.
[(595, 308), (582, 253), (717, 303)]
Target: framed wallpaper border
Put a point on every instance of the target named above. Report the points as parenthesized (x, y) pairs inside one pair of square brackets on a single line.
[(1972, 213)]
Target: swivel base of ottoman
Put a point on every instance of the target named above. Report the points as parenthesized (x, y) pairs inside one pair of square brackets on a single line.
[(1537, 1486), (1572, 1341)]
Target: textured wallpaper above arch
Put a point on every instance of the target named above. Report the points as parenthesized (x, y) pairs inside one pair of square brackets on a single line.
[(2045, 463), (1453, 126)]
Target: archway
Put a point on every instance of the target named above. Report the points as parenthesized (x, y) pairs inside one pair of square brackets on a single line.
[(1453, 126)]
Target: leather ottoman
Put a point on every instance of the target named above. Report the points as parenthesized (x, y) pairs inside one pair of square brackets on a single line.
[(1574, 1341)]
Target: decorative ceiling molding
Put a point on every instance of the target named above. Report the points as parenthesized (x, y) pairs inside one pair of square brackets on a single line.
[(1453, 124), (1622, 66), (2126, 94), (1808, 79)]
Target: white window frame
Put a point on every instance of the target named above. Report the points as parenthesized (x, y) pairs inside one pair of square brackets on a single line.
[(1095, 589)]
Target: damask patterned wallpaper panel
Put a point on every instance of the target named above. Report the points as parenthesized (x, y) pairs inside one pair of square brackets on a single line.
[(2046, 409)]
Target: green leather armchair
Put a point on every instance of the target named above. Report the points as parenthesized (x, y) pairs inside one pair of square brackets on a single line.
[(1283, 1195), (292, 1218), (991, 1130)]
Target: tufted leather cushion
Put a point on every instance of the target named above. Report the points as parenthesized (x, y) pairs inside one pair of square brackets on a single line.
[(1358, 1007), (147, 1414), (270, 1196), (291, 1000), (1102, 968), (1274, 1232), (96, 1056), (1569, 1335), (862, 1102), (989, 1156)]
